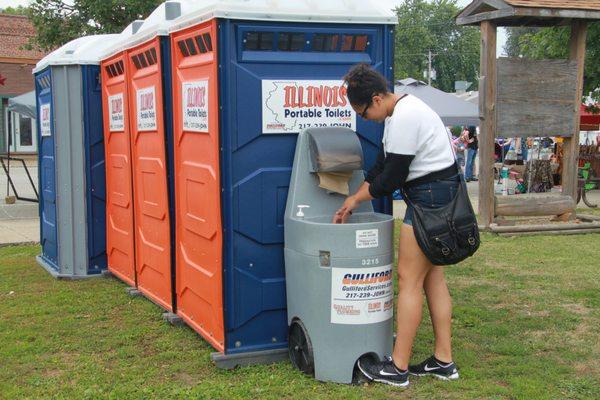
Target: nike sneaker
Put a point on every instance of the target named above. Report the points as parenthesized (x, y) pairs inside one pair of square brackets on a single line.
[(433, 367), (383, 372)]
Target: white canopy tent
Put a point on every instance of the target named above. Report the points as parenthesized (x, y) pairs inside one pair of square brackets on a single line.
[(452, 110), (23, 104)]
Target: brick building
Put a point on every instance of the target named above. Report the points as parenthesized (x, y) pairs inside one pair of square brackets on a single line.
[(16, 63)]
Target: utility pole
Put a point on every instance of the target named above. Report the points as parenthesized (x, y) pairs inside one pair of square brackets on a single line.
[(429, 69)]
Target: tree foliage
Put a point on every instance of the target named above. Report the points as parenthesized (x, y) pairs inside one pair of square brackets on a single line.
[(548, 43), (18, 10), (59, 21), (512, 46), (424, 26)]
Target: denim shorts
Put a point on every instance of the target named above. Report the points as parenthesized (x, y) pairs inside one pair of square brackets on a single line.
[(431, 195)]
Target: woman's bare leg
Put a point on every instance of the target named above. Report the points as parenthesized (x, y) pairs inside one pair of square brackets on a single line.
[(413, 266), (440, 310)]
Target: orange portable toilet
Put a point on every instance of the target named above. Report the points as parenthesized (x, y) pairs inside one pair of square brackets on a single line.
[(197, 181), (120, 234), (146, 80)]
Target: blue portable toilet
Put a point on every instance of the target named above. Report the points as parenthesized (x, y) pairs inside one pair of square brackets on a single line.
[(247, 77), (71, 159)]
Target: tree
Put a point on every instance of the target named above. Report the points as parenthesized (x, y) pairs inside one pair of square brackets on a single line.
[(19, 10), (512, 47), (544, 43), (424, 26), (58, 21)]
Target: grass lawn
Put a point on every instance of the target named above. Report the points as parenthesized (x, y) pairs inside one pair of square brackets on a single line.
[(526, 320), (589, 211)]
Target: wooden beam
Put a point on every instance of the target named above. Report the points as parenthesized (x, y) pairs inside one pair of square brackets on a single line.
[(534, 204), (556, 13), (532, 21), (499, 4), (535, 15), (485, 16), (588, 217), (470, 8), (487, 127), (555, 232), (571, 144), (543, 227)]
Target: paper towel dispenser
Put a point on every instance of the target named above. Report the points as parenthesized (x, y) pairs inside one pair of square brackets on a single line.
[(334, 150)]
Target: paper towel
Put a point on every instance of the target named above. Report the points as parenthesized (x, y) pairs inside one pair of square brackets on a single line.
[(335, 181)]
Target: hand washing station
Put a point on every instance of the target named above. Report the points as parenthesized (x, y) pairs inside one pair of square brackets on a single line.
[(338, 276)]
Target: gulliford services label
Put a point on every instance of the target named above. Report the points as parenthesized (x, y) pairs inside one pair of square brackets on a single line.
[(289, 106), (116, 117), (146, 109), (361, 295)]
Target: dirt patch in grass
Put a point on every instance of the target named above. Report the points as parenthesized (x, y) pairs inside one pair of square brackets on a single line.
[(186, 378), (536, 314), (576, 308), (585, 369), (52, 373)]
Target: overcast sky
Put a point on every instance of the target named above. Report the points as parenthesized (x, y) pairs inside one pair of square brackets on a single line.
[(6, 3), (392, 3), (13, 3)]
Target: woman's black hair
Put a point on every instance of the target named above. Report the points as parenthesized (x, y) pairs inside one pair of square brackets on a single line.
[(362, 83)]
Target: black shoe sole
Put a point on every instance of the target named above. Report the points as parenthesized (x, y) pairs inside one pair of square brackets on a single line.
[(382, 380)]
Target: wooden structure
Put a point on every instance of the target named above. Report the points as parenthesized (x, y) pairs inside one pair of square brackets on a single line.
[(532, 90)]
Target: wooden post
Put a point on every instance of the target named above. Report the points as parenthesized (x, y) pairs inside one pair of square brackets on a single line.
[(487, 126), (571, 145)]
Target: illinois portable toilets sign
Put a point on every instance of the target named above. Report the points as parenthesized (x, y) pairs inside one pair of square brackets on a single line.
[(146, 109), (289, 106), (116, 117), (195, 106), (45, 120)]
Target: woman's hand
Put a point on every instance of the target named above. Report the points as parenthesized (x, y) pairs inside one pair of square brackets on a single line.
[(341, 215)]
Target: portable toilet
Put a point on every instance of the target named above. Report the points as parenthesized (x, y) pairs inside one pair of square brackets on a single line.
[(247, 77), (146, 59), (71, 159), (120, 233)]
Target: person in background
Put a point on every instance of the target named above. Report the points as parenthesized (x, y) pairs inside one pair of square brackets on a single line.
[(461, 149), (472, 147), (524, 149), (459, 145), (505, 144), (497, 151)]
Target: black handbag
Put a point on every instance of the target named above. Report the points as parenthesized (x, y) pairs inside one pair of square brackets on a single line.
[(448, 234)]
